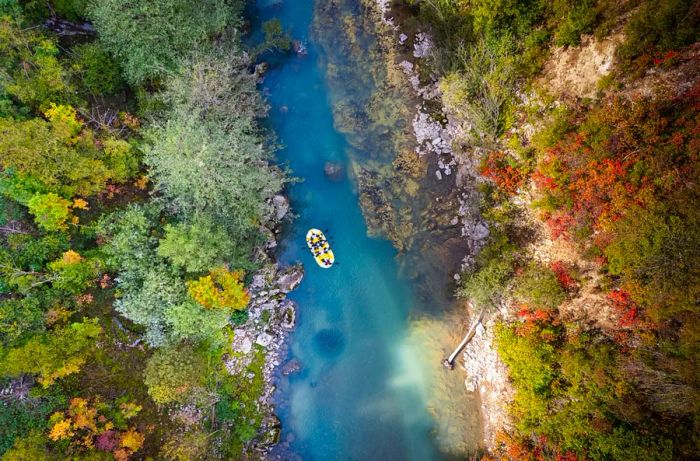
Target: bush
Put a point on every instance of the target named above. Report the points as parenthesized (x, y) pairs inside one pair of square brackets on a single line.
[(174, 374), (659, 26), (486, 285), (539, 288), (99, 74)]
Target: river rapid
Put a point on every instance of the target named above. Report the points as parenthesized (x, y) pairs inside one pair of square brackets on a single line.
[(371, 331)]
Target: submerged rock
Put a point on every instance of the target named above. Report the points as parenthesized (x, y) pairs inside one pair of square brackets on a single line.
[(333, 170)]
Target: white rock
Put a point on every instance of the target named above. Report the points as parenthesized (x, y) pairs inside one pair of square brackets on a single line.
[(246, 345), (402, 38), (438, 174), (263, 339)]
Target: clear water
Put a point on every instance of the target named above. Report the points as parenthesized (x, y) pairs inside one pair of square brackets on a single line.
[(367, 380)]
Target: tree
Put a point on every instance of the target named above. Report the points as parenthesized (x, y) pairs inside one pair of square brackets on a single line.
[(20, 317), (195, 246), (50, 211), (29, 63), (190, 321), (51, 153), (99, 73), (149, 38), (174, 374), (55, 354), (221, 289), (199, 168)]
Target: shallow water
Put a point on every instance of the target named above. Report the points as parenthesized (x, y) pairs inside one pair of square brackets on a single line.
[(370, 385)]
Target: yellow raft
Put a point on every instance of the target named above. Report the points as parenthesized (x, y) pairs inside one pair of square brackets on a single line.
[(320, 248)]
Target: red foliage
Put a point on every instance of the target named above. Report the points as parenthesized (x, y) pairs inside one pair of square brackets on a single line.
[(105, 281), (626, 308), (108, 441), (562, 273), (666, 58), (560, 225), (506, 177), (529, 315), (543, 181)]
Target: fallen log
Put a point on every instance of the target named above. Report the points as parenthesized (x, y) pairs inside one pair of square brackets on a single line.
[(449, 362)]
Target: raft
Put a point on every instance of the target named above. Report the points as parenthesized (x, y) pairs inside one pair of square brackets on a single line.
[(320, 248)]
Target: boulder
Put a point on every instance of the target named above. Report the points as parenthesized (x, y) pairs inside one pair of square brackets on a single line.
[(281, 205), (333, 170), (290, 279)]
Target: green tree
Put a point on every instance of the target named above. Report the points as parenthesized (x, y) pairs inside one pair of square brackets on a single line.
[(55, 354), (30, 66), (96, 69), (50, 211), (50, 153), (19, 318), (148, 38), (195, 246), (200, 168)]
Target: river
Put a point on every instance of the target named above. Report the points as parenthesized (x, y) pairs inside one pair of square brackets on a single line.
[(370, 385)]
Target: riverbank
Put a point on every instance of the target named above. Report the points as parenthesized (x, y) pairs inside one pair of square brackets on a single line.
[(436, 143)]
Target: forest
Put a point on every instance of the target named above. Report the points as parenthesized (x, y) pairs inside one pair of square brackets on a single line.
[(615, 177), (136, 197), (134, 184)]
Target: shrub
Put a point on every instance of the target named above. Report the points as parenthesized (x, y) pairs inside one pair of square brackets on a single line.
[(539, 288), (173, 374), (495, 264), (660, 26), (99, 74)]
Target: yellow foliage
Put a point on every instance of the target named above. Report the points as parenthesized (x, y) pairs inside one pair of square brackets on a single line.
[(64, 122), (129, 410), (142, 182), (71, 366), (132, 440), (61, 430), (71, 257), (221, 289), (80, 204)]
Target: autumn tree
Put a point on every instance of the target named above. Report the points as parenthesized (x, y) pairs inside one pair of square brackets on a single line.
[(54, 354)]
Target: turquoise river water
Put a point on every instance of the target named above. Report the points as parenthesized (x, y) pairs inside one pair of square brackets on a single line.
[(366, 389)]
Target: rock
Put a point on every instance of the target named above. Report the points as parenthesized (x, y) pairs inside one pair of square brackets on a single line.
[(299, 47), (423, 45), (264, 340), (333, 170), (246, 345), (438, 174), (293, 366), (258, 282), (289, 317), (290, 279), (281, 205), (402, 38)]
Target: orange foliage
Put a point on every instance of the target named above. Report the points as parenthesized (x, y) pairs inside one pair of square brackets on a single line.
[(505, 176)]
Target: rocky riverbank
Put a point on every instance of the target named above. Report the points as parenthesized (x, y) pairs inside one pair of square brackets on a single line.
[(271, 316), (436, 142)]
